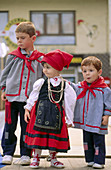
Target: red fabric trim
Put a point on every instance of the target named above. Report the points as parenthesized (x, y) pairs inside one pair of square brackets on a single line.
[(3, 87), (15, 58), (107, 110), (88, 101), (8, 112), (82, 114), (91, 126), (42, 142), (27, 84), (20, 83), (79, 123), (83, 110), (96, 127)]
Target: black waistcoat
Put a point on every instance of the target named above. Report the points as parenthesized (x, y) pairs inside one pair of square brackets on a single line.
[(48, 114)]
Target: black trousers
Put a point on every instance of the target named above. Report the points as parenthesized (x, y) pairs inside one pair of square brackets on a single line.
[(94, 147), (9, 139)]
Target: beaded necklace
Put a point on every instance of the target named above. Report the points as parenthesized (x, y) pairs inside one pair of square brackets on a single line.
[(50, 92)]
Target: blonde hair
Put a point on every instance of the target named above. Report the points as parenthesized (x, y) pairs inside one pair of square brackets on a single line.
[(92, 60), (26, 27)]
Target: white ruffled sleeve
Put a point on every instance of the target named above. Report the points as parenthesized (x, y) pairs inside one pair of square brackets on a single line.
[(34, 94), (69, 103)]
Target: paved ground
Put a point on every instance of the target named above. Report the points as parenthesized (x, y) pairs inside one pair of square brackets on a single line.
[(70, 164), (74, 159)]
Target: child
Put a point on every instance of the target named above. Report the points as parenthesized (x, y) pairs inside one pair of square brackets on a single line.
[(47, 128), (17, 78), (92, 111)]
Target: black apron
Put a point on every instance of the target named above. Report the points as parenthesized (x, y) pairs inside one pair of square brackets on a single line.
[(48, 114)]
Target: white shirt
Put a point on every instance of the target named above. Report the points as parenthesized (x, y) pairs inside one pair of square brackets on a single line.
[(69, 97)]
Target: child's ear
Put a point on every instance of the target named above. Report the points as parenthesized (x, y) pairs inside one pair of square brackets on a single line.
[(34, 38), (100, 72)]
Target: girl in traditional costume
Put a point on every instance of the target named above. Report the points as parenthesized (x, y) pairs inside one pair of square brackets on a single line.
[(49, 110)]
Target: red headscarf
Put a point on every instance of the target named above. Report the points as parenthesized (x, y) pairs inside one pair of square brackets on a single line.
[(57, 59)]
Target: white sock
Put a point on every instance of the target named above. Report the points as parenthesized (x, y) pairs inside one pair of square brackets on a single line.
[(53, 155), (37, 152)]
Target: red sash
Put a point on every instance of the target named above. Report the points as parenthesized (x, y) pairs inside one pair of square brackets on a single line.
[(99, 83), (34, 56), (8, 112)]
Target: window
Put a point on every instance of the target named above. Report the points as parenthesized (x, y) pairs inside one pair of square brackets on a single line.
[(71, 74), (54, 27), (3, 23), (3, 20)]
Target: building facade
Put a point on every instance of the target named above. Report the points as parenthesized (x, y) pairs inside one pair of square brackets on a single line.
[(80, 27)]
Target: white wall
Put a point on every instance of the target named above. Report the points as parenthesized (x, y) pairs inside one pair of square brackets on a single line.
[(93, 12)]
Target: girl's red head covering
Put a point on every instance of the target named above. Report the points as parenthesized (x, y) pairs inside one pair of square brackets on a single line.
[(57, 59)]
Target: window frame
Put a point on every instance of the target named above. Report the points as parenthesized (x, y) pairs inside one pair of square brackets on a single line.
[(60, 25), (7, 16)]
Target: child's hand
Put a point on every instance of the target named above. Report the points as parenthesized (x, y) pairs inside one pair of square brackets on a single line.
[(27, 116), (69, 125), (105, 120), (3, 96)]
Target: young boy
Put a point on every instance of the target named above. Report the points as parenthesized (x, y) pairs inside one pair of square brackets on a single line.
[(17, 79), (93, 108)]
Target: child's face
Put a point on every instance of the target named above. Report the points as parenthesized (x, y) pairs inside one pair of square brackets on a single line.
[(49, 71), (90, 73), (24, 41)]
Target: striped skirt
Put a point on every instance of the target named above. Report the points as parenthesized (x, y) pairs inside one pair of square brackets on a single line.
[(42, 140)]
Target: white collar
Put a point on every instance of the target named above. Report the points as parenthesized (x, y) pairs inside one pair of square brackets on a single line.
[(55, 81)]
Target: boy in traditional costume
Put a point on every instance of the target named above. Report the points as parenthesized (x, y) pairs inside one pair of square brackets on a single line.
[(22, 69), (93, 108)]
